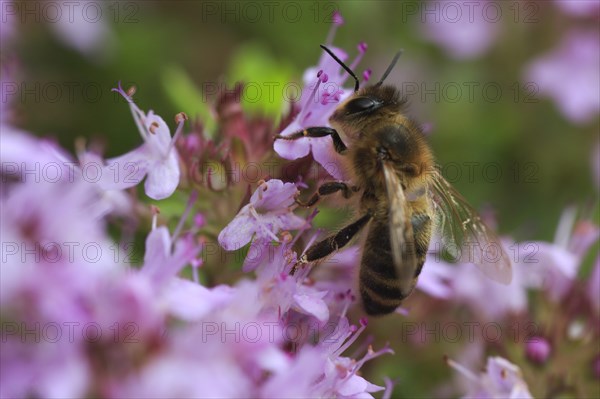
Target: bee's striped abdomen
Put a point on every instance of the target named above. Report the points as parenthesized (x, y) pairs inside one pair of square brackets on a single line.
[(378, 283)]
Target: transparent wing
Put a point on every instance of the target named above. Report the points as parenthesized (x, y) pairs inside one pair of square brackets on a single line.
[(464, 234), (401, 232)]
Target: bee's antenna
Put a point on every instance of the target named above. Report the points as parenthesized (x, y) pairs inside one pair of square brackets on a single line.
[(389, 69), (356, 85)]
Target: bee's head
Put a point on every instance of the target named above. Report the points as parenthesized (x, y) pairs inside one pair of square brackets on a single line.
[(374, 102), (370, 103)]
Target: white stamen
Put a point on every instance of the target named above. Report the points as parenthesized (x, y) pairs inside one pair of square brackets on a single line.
[(261, 224)]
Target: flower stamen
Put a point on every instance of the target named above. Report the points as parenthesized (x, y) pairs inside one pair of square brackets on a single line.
[(337, 21), (321, 77), (180, 119)]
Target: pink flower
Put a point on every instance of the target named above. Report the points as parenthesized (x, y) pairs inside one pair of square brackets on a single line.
[(91, 37), (268, 212), (461, 29), (538, 349), (596, 165), (322, 93), (280, 291), (593, 289), (329, 373), (536, 265), (27, 158), (555, 265), (466, 283), (164, 258), (502, 379), (435, 278), (569, 75), (156, 159), (579, 8)]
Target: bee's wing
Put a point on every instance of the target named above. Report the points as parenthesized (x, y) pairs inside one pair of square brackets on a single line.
[(401, 232), (459, 225)]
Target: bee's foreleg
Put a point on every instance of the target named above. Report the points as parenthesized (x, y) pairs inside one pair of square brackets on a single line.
[(328, 189), (338, 144), (332, 243)]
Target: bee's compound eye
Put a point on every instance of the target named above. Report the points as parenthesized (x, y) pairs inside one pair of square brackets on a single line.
[(360, 104)]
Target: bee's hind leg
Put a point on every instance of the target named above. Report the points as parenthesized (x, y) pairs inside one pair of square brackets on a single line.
[(332, 243), (338, 144), (328, 189)]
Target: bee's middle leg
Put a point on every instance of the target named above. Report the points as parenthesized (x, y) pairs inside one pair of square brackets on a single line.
[(328, 189), (332, 243)]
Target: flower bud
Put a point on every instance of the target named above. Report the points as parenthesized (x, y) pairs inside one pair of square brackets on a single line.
[(538, 349)]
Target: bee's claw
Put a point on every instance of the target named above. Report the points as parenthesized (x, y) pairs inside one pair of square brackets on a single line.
[(301, 203), (294, 268), (302, 261)]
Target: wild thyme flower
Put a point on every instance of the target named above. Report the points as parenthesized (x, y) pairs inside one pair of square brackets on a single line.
[(467, 36), (329, 374), (92, 38), (56, 230), (538, 349), (557, 263), (280, 291), (579, 8), (593, 289), (268, 212), (551, 267), (501, 379), (163, 259), (577, 56), (156, 159), (322, 93)]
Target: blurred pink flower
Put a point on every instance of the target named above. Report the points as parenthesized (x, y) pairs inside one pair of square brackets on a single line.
[(556, 264), (10, 15), (280, 291), (538, 349), (435, 278), (536, 265), (332, 375), (65, 227), (580, 8), (64, 317), (596, 165), (593, 289), (501, 379), (164, 258), (569, 75), (84, 28), (461, 28)]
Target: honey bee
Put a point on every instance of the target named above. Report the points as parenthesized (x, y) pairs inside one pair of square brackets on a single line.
[(403, 200)]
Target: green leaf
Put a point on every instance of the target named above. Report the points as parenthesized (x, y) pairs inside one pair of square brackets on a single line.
[(265, 80), (184, 94)]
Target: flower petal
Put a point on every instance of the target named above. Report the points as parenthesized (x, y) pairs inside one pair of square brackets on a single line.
[(324, 153), (127, 170), (312, 305), (292, 149), (163, 178), (239, 231), (274, 195)]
